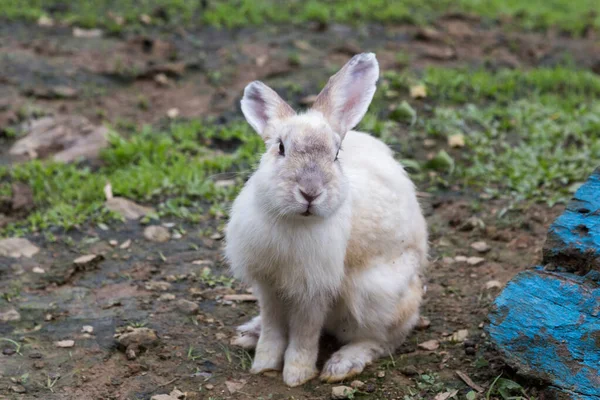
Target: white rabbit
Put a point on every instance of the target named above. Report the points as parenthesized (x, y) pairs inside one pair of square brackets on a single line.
[(330, 236)]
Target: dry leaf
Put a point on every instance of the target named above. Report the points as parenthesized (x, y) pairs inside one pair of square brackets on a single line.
[(430, 345), (466, 379), (446, 395), (418, 92), (17, 247), (457, 140), (235, 386)]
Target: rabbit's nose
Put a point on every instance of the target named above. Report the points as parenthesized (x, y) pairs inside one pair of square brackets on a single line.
[(309, 197)]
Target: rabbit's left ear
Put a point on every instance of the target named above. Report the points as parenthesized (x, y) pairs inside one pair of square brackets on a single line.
[(346, 97), (262, 104)]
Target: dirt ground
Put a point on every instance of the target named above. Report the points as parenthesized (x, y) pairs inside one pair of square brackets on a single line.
[(177, 288)]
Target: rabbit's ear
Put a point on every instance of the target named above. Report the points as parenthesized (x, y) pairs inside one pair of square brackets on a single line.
[(346, 97), (261, 104)]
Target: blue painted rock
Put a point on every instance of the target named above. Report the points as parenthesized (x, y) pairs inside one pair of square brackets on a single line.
[(573, 243), (546, 321)]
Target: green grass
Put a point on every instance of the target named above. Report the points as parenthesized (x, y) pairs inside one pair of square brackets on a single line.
[(572, 16), (174, 167), (529, 135)]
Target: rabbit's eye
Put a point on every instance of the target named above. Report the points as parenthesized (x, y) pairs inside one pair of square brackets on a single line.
[(281, 149)]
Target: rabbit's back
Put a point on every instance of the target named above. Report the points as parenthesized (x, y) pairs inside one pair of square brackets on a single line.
[(386, 216)]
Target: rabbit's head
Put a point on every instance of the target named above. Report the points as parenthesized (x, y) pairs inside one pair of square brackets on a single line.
[(301, 173)]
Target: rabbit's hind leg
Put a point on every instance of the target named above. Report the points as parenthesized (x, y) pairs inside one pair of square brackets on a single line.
[(376, 315), (248, 334)]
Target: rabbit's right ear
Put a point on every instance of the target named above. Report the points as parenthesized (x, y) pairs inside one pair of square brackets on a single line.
[(261, 104)]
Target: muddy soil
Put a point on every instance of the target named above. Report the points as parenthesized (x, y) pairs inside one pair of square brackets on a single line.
[(134, 283)]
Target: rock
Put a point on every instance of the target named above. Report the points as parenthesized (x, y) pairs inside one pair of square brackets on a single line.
[(127, 208), (38, 270), (87, 329), (409, 370), (187, 307), (65, 344), (45, 21), (381, 374), (125, 244), (17, 247), (429, 345), (157, 233), (341, 392), (39, 364), (209, 386), (18, 389), (167, 297), (460, 335), (481, 247), (8, 351), (137, 339), (9, 315), (470, 351), (88, 260), (357, 384), (423, 323), (173, 113), (157, 286), (65, 138), (475, 260)]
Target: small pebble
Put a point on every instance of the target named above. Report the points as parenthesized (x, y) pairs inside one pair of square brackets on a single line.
[(470, 351), (18, 389), (381, 374), (209, 386), (341, 392), (357, 384), (8, 351), (39, 365), (409, 370)]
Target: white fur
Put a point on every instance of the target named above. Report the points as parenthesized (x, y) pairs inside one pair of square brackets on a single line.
[(352, 267)]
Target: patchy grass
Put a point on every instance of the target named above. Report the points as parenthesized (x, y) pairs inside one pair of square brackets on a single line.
[(174, 168), (572, 16), (530, 135)]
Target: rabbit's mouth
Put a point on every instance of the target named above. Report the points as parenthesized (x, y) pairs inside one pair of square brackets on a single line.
[(307, 212)]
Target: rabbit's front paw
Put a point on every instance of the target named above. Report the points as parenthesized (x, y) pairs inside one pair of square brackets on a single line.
[(341, 367), (269, 360), (297, 374)]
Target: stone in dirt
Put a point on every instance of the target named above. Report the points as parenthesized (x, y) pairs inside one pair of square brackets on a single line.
[(460, 335), (187, 307), (357, 384), (65, 343), (240, 297), (481, 247), (341, 392), (17, 247), (18, 389), (88, 260), (475, 260), (136, 340), (64, 138), (157, 233), (10, 314)]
